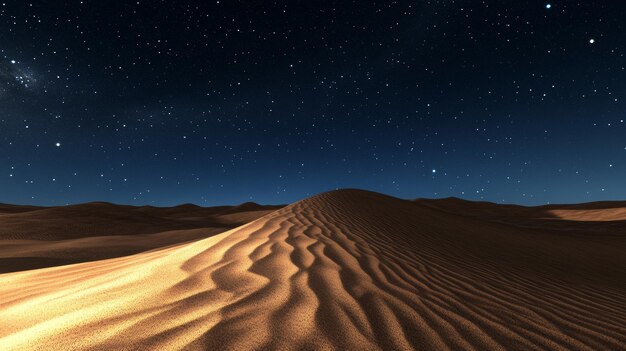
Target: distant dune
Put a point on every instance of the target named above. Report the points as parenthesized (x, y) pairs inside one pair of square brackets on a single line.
[(35, 237), (344, 270)]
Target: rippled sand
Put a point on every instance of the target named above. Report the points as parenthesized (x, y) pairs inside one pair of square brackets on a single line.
[(345, 270)]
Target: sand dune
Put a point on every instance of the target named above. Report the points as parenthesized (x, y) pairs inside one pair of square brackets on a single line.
[(101, 218), (345, 270), (36, 237), (570, 220)]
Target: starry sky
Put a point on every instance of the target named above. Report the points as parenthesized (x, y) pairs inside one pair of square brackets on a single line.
[(221, 102)]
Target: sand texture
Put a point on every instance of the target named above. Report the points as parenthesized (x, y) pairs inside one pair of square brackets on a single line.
[(344, 270)]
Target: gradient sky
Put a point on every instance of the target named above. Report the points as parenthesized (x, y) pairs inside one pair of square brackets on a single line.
[(221, 102)]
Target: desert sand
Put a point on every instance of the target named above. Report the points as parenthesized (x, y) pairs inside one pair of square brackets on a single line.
[(36, 237), (344, 270)]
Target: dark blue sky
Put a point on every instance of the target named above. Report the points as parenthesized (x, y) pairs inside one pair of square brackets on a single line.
[(167, 102)]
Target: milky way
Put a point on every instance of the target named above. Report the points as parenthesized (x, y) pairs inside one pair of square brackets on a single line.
[(15, 81)]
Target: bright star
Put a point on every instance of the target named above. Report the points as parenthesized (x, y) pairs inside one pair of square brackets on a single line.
[(548, 6), (57, 144), (591, 41), (434, 171), (13, 61)]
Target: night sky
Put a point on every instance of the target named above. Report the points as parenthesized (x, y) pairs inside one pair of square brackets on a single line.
[(221, 102)]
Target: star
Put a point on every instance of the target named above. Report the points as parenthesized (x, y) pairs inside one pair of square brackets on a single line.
[(591, 41), (548, 6), (57, 144)]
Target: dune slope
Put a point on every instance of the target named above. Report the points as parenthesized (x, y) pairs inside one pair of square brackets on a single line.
[(345, 270), (38, 237)]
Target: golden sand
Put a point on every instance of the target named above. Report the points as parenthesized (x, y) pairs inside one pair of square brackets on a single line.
[(345, 270)]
